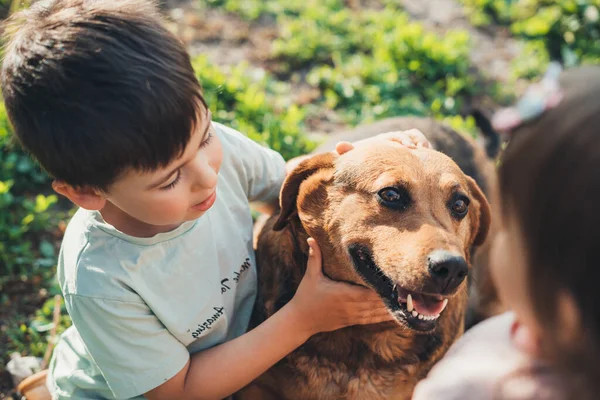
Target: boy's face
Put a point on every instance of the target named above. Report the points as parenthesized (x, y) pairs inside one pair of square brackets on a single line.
[(146, 203)]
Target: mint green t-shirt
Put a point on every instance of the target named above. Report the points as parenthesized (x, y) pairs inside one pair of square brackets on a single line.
[(141, 306)]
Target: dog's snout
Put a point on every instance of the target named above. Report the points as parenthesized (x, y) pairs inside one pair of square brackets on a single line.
[(447, 270)]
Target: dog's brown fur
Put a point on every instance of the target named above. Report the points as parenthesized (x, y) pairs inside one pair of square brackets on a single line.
[(477, 160), (333, 199)]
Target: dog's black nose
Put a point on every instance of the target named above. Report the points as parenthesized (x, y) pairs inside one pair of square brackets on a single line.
[(447, 270)]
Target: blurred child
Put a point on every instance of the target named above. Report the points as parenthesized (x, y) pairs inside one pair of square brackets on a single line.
[(544, 258)]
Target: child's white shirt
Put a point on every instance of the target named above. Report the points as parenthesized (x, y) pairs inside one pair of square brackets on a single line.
[(141, 306)]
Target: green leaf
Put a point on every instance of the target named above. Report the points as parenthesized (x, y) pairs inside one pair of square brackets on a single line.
[(47, 249), (5, 186)]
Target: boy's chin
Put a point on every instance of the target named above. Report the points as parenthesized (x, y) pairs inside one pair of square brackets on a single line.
[(194, 214)]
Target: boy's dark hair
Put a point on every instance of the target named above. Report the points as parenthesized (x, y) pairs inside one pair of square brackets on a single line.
[(93, 87)]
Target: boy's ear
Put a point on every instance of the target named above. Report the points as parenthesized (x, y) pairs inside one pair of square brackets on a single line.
[(87, 198)]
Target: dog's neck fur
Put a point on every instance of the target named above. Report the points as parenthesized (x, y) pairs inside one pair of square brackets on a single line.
[(351, 345)]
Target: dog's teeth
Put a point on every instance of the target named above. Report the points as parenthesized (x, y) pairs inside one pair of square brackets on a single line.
[(421, 316), (414, 313), (444, 305), (409, 303)]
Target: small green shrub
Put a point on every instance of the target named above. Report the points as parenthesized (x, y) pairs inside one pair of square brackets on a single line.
[(29, 218), (401, 70), (33, 338), (248, 102), (368, 63), (26, 247), (317, 34), (565, 30), (254, 9)]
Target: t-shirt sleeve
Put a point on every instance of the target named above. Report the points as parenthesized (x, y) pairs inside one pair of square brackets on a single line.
[(261, 169), (133, 350)]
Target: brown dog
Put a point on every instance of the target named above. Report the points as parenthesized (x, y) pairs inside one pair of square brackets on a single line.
[(402, 222), (477, 160)]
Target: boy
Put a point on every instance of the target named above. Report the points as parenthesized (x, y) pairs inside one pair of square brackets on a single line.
[(157, 266)]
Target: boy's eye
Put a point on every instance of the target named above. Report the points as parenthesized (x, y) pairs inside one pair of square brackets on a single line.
[(207, 140), (173, 183)]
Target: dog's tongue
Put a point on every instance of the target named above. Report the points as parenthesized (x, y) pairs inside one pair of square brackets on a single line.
[(428, 305)]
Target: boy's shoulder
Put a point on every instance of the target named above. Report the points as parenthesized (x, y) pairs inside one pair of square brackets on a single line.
[(87, 257), (96, 260), (232, 140)]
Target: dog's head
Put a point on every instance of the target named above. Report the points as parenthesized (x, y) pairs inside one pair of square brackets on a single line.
[(400, 221)]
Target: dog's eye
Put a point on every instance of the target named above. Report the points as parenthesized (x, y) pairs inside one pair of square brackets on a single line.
[(396, 198), (460, 207)]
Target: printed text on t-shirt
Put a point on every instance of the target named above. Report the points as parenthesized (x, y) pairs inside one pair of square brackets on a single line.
[(226, 285)]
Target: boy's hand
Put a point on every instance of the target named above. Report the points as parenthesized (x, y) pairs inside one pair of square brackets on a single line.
[(323, 305), (412, 138)]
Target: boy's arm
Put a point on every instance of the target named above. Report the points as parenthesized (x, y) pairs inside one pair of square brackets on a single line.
[(320, 305)]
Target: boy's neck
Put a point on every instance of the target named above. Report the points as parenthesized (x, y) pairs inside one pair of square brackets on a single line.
[(125, 223)]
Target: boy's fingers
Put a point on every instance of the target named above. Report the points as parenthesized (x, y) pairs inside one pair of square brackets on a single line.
[(373, 319), (314, 265), (417, 137), (411, 138), (362, 294), (379, 318), (343, 147), (373, 313), (408, 143), (354, 293)]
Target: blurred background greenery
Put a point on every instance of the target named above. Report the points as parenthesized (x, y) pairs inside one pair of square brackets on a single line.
[(285, 72)]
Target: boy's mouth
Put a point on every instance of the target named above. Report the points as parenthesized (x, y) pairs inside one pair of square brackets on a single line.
[(206, 204)]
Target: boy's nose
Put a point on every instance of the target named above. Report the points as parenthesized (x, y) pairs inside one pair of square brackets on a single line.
[(204, 175)]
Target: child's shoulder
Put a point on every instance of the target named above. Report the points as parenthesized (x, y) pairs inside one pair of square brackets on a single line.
[(97, 260), (229, 136), (238, 144), (87, 257), (476, 364)]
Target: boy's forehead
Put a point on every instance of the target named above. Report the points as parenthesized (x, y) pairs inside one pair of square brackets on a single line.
[(155, 177)]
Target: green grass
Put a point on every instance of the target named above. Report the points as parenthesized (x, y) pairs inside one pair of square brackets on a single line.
[(567, 30)]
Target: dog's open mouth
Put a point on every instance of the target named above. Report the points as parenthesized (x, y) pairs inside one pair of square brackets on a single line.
[(418, 311)]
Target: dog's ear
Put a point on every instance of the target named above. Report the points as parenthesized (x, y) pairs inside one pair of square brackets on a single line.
[(482, 226), (289, 192)]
